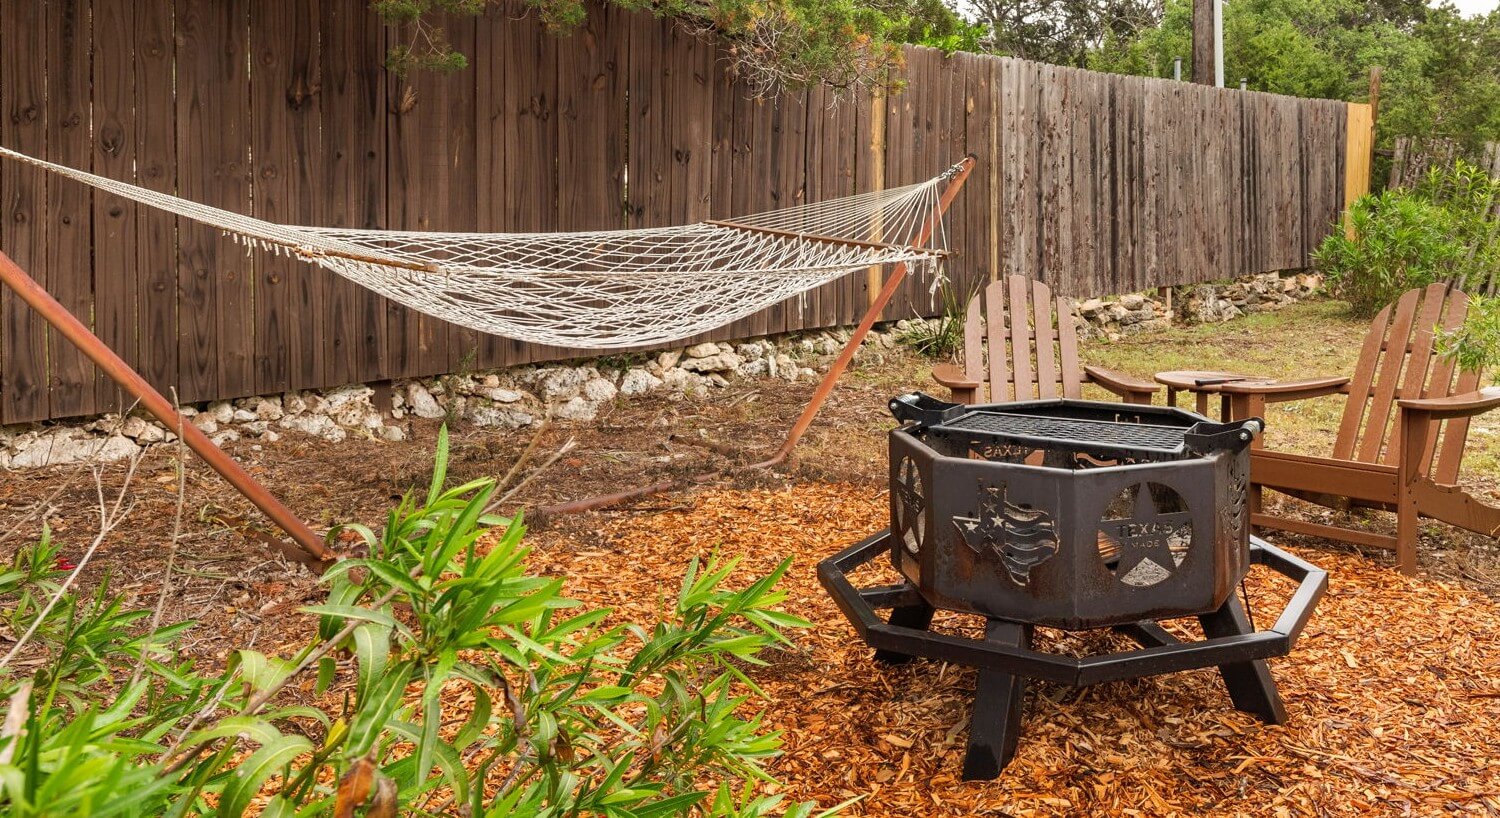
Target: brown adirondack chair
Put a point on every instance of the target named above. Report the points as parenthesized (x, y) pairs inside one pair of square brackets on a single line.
[(1402, 437), (1038, 345)]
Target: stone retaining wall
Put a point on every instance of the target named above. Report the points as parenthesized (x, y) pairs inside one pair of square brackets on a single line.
[(523, 396)]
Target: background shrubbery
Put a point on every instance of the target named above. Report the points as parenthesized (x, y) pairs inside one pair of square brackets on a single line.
[(1446, 230)]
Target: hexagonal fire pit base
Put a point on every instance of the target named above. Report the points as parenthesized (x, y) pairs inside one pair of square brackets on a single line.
[(1005, 657)]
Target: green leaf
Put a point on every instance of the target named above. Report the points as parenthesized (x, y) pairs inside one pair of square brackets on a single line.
[(439, 467), (372, 647), (253, 772), (353, 612), (256, 729), (328, 668)]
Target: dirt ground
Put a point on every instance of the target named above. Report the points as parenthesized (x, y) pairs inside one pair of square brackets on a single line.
[(229, 581)]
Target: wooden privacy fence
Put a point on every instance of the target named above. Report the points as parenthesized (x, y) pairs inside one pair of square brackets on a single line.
[(280, 108), (1414, 157)]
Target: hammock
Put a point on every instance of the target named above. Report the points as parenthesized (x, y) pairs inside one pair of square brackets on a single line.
[(602, 289)]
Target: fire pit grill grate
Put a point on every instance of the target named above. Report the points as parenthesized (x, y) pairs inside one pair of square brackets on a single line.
[(1023, 428)]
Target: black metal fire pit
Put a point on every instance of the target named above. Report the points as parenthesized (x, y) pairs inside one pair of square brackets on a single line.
[(1075, 515)]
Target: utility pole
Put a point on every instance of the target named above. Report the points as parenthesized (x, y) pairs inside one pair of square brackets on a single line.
[(1208, 42)]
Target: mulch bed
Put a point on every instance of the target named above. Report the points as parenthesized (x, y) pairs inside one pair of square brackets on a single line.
[(1393, 691)]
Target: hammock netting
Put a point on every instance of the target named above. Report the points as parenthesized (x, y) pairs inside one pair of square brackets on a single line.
[(603, 289)]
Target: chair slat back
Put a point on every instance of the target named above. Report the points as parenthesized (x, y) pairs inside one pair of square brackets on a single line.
[(1031, 342), (1399, 361)]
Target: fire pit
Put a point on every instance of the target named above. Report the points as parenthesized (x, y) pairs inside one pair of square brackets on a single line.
[(1075, 515)]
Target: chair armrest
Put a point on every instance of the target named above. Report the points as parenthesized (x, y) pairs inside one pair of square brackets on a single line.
[(953, 377), (1466, 405), (1120, 383), (1284, 391)]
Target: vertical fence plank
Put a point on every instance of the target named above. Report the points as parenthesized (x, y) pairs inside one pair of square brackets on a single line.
[(217, 338), (23, 222), (457, 117), (976, 209), (155, 144), (351, 106), (519, 132), (592, 72), (789, 186), (69, 204), (831, 154), (671, 116), (117, 279), (431, 176), (286, 151)]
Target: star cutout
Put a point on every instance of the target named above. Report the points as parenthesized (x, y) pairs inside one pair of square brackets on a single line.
[(1145, 540)]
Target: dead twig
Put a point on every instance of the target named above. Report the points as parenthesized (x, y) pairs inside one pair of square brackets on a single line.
[(521, 461), (166, 577), (109, 518), (15, 720), (562, 450)]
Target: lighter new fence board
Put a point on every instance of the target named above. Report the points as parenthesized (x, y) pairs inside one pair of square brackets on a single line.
[(1094, 183)]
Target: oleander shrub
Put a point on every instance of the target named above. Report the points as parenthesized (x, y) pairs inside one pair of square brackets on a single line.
[(1447, 229), (1399, 241), (444, 678)]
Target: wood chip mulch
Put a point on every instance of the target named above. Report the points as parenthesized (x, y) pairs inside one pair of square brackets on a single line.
[(1393, 692)]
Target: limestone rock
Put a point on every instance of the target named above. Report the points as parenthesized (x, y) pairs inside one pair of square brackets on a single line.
[(576, 409), (499, 395), (599, 390), (315, 425), (501, 417), (422, 403), (638, 382), (293, 404), (756, 368), (720, 362), (669, 359), (63, 447), (391, 434), (703, 350), (268, 408), (555, 383)]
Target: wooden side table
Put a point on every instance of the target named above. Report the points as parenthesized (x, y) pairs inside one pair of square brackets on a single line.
[(1202, 384)]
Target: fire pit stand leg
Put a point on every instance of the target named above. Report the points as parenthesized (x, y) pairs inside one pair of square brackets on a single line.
[(1251, 687), (995, 726), (917, 616)]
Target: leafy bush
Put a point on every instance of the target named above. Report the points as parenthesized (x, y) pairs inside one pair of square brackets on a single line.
[(1399, 241), (940, 337), (471, 687), (1445, 230), (1475, 345)]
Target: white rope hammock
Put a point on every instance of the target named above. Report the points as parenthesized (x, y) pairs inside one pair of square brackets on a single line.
[(598, 290)]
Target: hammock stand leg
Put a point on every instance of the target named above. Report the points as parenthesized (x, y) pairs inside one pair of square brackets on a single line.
[(871, 316), (310, 548)]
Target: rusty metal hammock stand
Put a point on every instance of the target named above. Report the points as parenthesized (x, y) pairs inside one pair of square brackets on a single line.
[(596, 290)]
